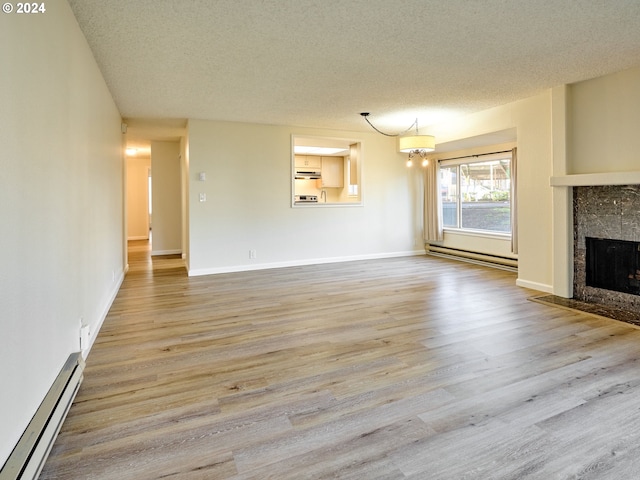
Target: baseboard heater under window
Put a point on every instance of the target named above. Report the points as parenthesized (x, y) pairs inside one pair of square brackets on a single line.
[(28, 456), (496, 261)]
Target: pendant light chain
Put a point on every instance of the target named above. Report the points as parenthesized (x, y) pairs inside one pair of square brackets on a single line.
[(415, 123)]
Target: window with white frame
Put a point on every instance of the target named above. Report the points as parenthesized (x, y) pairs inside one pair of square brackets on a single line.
[(476, 193)]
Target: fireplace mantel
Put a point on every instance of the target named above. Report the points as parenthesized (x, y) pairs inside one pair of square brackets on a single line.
[(595, 179)]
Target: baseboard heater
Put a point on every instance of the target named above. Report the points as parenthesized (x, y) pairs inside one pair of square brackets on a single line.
[(28, 456), (496, 261)]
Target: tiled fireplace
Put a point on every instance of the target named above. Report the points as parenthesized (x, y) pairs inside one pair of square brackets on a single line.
[(606, 212)]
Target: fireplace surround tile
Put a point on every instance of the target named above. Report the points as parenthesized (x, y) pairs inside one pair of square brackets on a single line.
[(612, 212)]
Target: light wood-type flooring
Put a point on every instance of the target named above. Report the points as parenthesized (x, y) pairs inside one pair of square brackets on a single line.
[(401, 368)]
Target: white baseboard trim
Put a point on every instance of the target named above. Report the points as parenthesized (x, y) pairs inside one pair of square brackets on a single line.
[(298, 263), (166, 252), (541, 287), (95, 329)]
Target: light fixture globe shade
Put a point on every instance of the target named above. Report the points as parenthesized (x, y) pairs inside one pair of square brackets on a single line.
[(416, 142)]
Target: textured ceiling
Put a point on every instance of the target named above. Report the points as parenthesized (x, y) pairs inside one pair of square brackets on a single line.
[(319, 63)]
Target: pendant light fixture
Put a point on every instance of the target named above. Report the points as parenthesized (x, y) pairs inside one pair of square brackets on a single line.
[(415, 145)]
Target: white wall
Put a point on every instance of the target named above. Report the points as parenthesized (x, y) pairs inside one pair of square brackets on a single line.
[(138, 197), (61, 205), (248, 205), (605, 124), (531, 118), (166, 197)]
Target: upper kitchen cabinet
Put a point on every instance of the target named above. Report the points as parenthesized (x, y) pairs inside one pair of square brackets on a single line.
[(332, 169), (326, 171), (311, 161)]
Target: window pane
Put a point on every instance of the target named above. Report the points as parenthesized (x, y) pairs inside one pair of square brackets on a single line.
[(485, 191), (449, 192)]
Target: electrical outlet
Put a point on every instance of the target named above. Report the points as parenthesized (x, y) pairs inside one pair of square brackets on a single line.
[(203, 197), (252, 254), (85, 335)]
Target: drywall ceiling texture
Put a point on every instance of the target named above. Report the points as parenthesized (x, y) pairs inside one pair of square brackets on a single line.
[(319, 63)]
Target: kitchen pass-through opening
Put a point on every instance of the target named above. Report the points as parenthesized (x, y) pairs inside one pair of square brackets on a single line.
[(613, 265)]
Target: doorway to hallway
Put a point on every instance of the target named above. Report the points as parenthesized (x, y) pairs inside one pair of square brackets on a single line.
[(141, 261)]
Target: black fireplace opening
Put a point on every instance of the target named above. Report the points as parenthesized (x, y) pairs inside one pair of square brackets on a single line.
[(613, 265)]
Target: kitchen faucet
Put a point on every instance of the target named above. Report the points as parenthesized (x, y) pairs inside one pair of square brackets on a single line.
[(323, 194)]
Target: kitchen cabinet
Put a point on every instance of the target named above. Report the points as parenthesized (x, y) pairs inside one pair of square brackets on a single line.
[(312, 161), (332, 173)]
